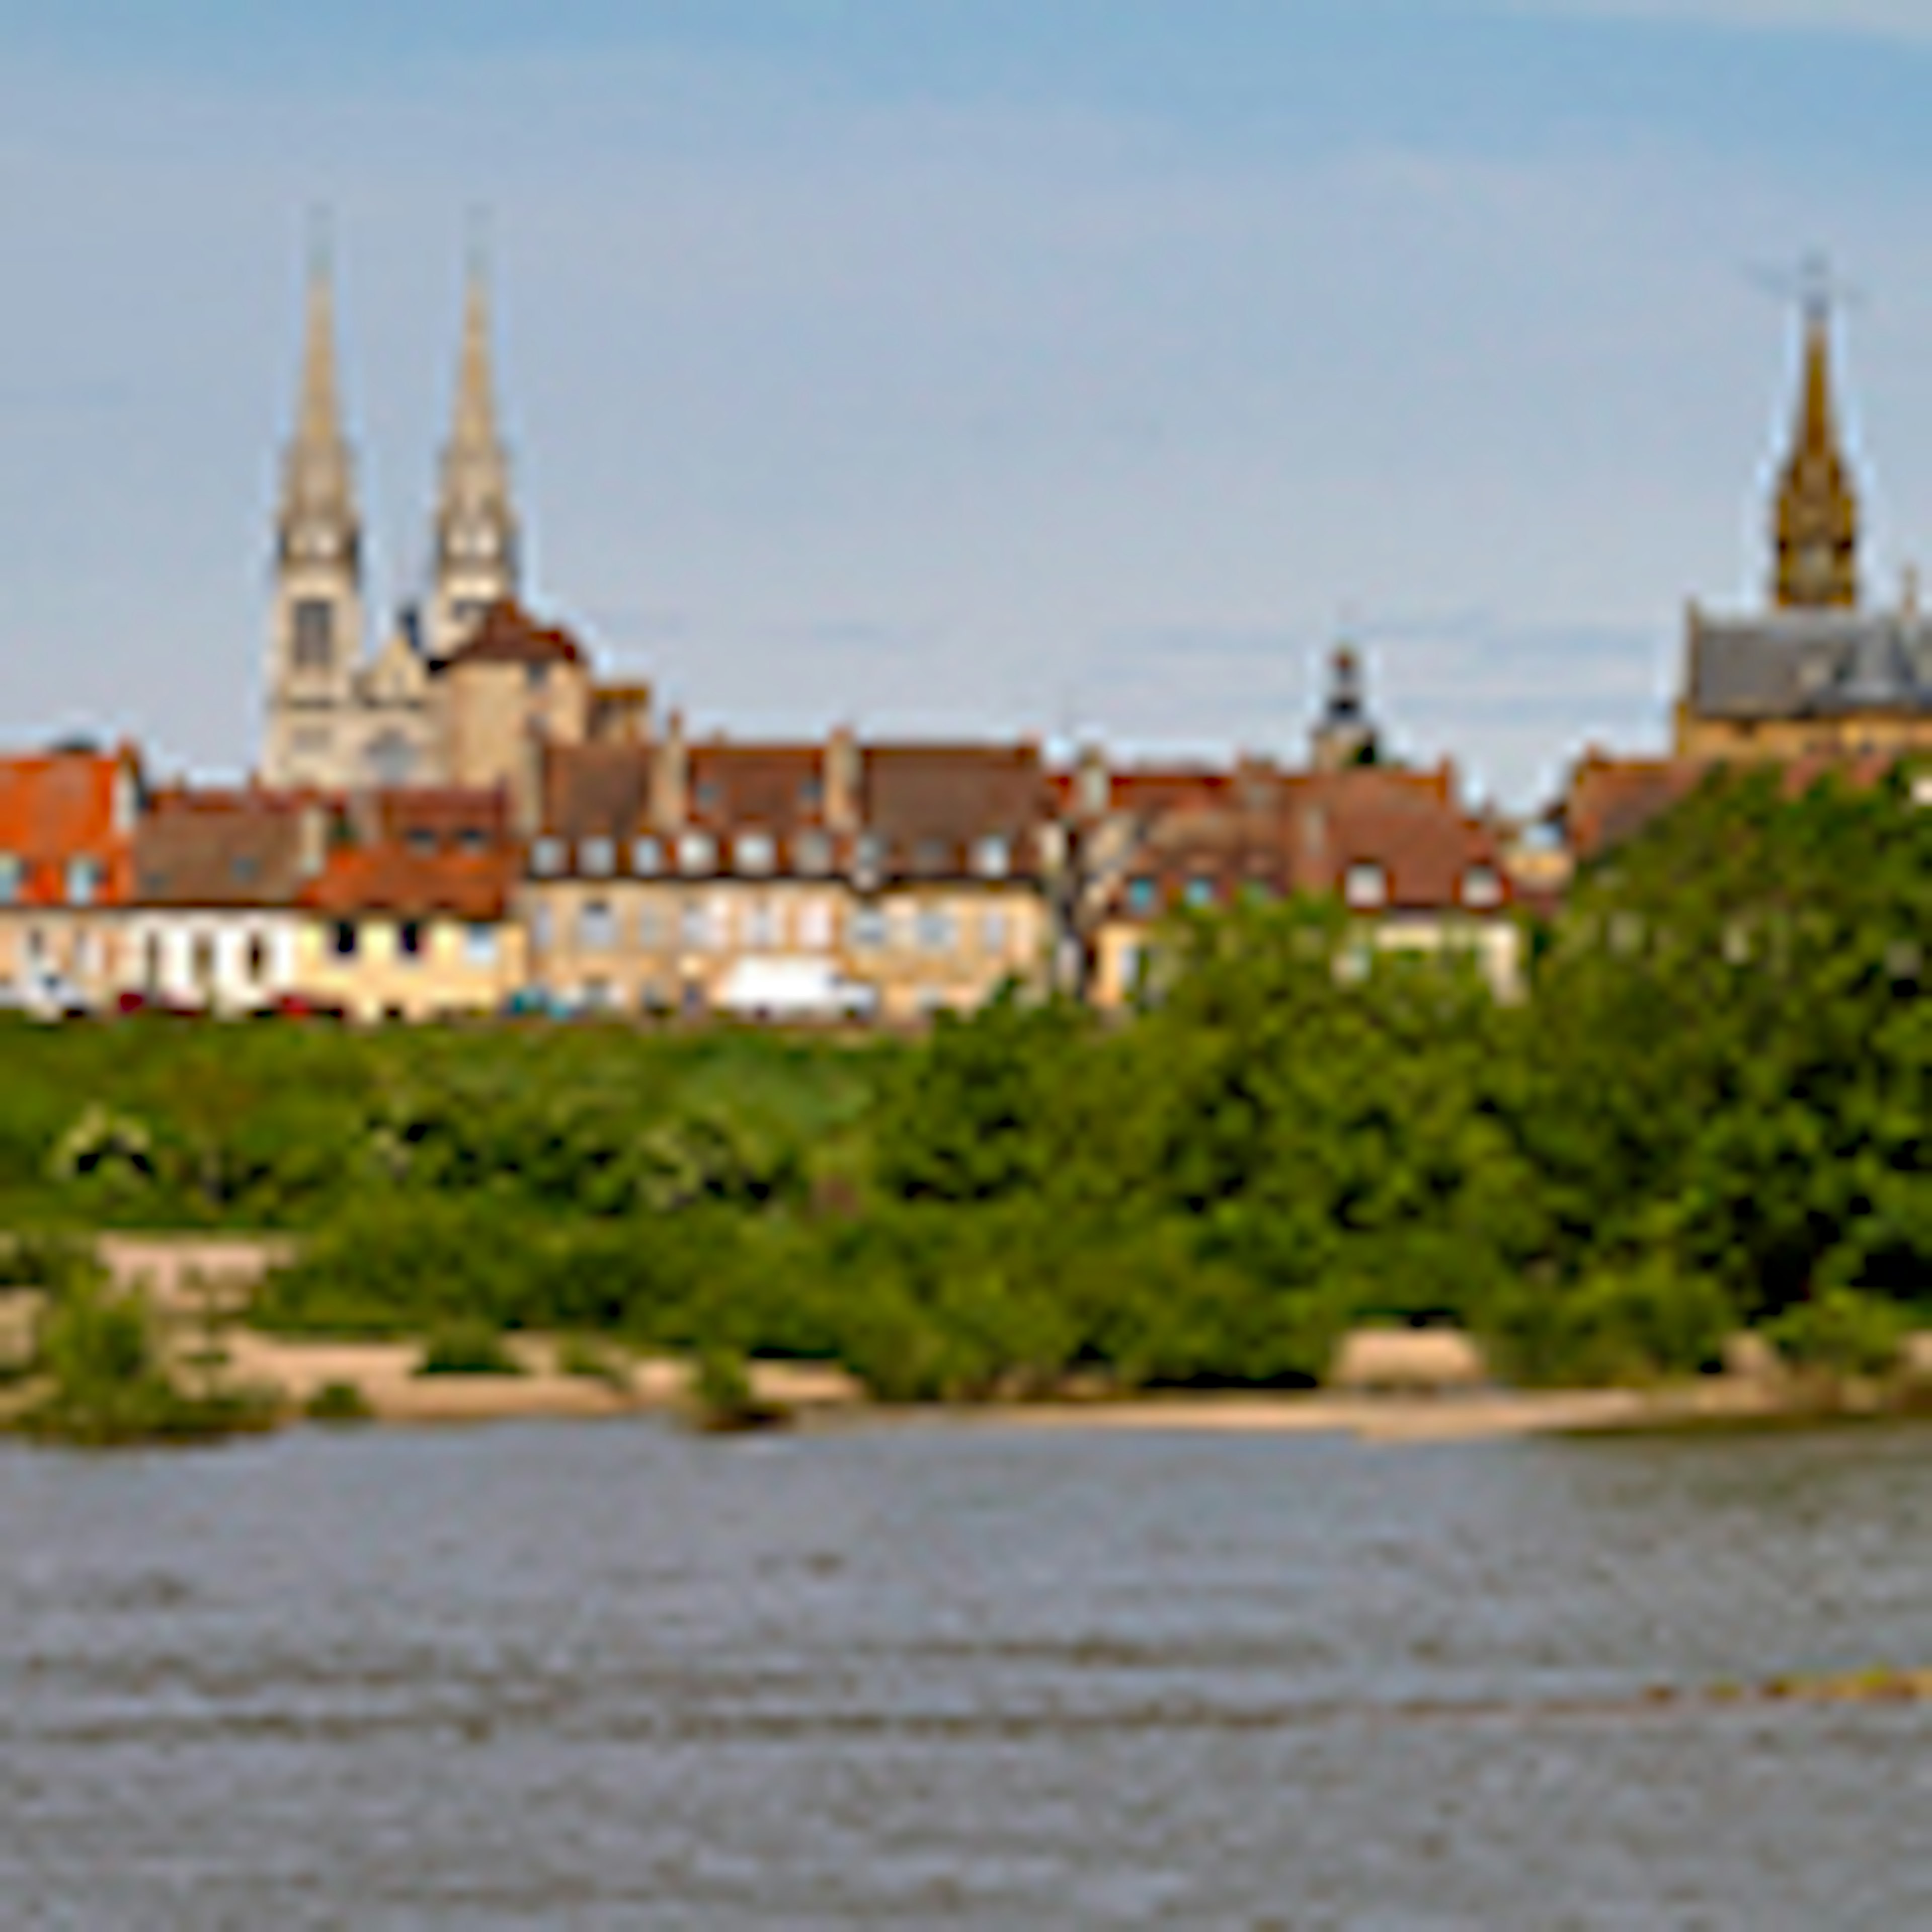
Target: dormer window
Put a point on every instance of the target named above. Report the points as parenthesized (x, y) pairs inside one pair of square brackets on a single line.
[(1482, 889), (11, 875), (421, 841), (646, 857), (1199, 892), (930, 857), (755, 853), (697, 853), (812, 852), (869, 857), (1365, 886), (547, 858), (83, 881), (992, 857), (1143, 897), (597, 858)]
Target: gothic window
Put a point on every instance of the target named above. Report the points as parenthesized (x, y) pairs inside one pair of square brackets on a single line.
[(314, 634)]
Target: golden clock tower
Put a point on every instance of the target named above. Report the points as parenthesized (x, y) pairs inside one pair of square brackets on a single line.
[(1816, 523)]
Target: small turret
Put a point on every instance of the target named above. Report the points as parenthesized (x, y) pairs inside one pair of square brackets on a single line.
[(1345, 734)]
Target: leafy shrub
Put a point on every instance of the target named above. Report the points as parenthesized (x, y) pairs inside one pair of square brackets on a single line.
[(338, 1402), (1842, 1332), (467, 1347)]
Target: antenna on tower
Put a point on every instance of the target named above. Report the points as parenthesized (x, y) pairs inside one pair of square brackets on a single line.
[(1812, 283)]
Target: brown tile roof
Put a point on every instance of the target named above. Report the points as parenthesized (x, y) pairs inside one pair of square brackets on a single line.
[(441, 817), (1319, 827), (58, 806), (507, 633), (596, 790), (928, 805), (778, 788), (392, 879), (218, 849)]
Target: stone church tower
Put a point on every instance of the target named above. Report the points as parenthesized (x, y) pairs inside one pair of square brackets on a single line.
[(315, 638), (475, 557), (336, 720)]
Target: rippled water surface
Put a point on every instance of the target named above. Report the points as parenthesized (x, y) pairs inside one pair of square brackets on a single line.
[(611, 1675)]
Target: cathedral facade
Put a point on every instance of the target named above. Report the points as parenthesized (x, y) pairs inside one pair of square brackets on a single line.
[(337, 719)]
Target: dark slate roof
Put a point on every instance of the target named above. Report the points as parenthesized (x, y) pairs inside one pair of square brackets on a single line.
[(1809, 664)]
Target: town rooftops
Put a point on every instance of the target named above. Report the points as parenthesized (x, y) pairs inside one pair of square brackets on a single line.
[(66, 819)]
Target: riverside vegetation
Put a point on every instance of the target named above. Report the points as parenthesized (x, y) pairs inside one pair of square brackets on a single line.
[(1714, 1112)]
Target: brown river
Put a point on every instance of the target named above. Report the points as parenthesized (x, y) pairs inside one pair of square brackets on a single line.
[(611, 1675)]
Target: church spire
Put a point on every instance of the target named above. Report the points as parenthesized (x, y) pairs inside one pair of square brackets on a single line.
[(476, 534), (318, 519), (1817, 521)]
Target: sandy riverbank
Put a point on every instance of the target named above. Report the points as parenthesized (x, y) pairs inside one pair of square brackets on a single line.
[(384, 1373)]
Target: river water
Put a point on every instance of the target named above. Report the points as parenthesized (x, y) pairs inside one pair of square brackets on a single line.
[(612, 1675)]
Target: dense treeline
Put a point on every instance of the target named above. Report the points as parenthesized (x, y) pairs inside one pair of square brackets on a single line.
[(1713, 1111)]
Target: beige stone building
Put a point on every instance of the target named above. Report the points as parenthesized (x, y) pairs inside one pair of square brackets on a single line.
[(830, 880)]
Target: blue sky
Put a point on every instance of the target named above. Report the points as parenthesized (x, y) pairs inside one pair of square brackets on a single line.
[(1058, 365)]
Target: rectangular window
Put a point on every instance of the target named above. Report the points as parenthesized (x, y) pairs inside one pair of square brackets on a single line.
[(695, 925), (409, 939), (992, 857), (314, 634), (597, 858), (814, 926), (697, 853), (1200, 892), (994, 931), (1143, 898), (479, 944), (755, 853), (257, 969), (761, 926), (651, 927), (812, 854), (83, 881), (933, 929), (647, 858), (12, 873), (596, 926), (342, 939), (868, 928), (547, 857)]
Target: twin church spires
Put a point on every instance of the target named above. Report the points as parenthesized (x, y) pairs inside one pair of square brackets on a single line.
[(334, 720)]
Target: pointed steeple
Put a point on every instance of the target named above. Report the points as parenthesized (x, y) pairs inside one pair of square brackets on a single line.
[(1817, 521), (318, 520), (476, 533), (315, 638)]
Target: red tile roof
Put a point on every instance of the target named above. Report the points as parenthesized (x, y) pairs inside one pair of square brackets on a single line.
[(57, 807), (392, 879)]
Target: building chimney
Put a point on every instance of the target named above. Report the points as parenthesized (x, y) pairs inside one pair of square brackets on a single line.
[(670, 777), (844, 805)]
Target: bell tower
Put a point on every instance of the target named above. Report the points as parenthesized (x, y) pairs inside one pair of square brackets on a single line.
[(315, 630), (1816, 521), (476, 541)]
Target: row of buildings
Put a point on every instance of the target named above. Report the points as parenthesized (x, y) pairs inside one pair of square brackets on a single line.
[(470, 820)]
